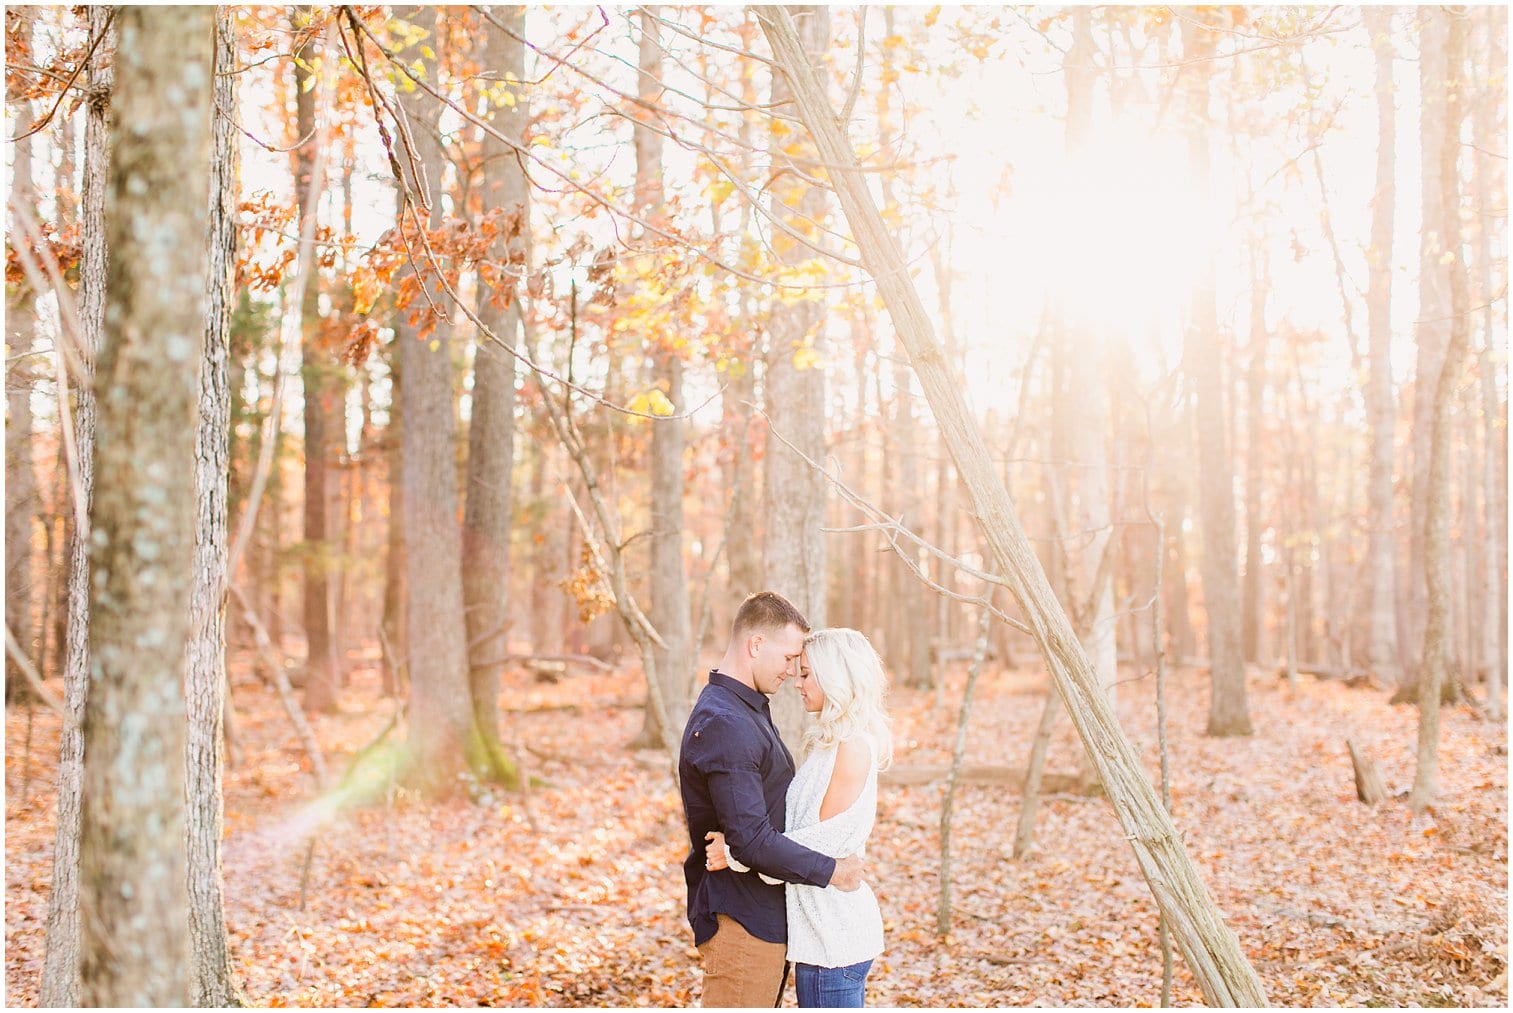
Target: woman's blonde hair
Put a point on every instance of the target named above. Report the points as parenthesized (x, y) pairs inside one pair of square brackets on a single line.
[(856, 690)]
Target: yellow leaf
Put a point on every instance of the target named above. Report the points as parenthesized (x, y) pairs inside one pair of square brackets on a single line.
[(806, 358), (718, 190)]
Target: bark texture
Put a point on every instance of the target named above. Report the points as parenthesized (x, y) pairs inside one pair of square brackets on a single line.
[(1228, 711), (133, 903), (60, 967), (1211, 949), (210, 978), (491, 431)]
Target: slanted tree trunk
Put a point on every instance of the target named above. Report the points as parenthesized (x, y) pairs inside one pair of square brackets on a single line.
[(486, 523), (442, 729), (668, 610), (210, 980), (1381, 631), (1211, 949), (324, 432), (60, 968), (20, 475), (1228, 712), (133, 904), (1432, 672), (793, 494)]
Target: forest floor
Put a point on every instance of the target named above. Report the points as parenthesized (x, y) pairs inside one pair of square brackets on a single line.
[(573, 894)]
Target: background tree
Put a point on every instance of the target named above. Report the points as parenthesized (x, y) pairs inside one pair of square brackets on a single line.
[(1228, 712), (60, 971), (325, 432), (793, 496), (205, 683), (442, 723), (489, 507)]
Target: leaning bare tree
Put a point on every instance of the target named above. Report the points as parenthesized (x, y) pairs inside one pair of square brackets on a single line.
[(1210, 947)]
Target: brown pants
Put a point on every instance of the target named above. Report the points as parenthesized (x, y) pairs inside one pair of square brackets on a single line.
[(740, 969)]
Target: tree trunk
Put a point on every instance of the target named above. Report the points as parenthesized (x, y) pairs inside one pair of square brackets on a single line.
[(1429, 330), (486, 523), (1437, 505), (20, 474), (1381, 637), (794, 495), (393, 625), (133, 905), (1253, 597), (1212, 951), (442, 731), (1493, 621), (1086, 490), (210, 977), (324, 433), (60, 970), (669, 437), (1228, 712)]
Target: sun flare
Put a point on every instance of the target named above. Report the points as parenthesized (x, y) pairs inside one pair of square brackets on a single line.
[(1115, 233)]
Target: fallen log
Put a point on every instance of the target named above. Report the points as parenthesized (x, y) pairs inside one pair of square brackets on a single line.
[(984, 773)]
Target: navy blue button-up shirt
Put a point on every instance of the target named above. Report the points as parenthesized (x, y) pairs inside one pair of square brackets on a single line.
[(734, 772)]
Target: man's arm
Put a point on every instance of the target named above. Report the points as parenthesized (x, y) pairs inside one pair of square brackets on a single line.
[(728, 752)]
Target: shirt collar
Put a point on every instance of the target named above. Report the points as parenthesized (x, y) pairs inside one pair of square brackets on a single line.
[(750, 697)]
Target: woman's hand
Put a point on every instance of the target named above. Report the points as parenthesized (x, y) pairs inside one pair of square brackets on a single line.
[(714, 852)]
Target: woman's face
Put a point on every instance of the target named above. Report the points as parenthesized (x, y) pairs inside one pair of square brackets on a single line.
[(809, 687)]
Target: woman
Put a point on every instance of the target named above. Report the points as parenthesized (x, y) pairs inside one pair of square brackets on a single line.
[(833, 936)]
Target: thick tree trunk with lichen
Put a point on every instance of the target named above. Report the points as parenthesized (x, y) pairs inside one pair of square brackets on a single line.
[(442, 730), (210, 979), (133, 903), (486, 521), (1212, 951), (60, 967)]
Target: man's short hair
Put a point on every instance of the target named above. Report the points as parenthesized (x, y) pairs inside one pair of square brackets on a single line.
[(766, 612)]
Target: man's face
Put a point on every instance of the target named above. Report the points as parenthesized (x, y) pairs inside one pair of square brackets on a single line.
[(775, 657)]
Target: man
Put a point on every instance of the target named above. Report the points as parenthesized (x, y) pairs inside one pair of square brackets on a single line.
[(734, 772)]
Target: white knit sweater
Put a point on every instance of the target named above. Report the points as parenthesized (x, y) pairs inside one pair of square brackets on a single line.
[(828, 927)]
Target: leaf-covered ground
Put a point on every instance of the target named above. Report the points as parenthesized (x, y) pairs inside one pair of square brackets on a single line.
[(573, 896)]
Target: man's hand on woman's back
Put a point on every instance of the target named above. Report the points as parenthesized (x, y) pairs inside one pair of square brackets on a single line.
[(848, 873)]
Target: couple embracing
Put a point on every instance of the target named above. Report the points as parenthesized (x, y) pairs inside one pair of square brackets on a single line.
[(774, 872)]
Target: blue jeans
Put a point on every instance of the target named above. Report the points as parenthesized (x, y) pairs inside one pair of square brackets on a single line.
[(831, 987)]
